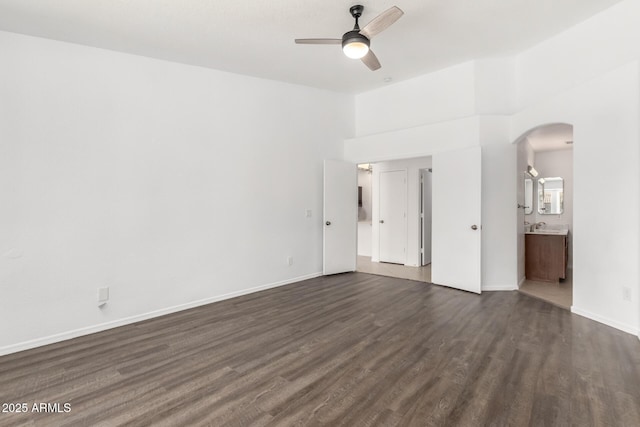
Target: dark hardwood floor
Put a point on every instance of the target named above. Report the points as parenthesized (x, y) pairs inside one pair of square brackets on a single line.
[(352, 349)]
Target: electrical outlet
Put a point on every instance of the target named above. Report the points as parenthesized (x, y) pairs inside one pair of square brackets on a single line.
[(307, 213), (289, 261), (626, 293)]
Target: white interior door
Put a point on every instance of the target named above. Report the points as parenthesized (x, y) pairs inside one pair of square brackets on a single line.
[(393, 216), (456, 232), (340, 217)]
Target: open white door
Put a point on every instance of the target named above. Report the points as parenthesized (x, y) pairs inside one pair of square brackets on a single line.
[(340, 217), (456, 214)]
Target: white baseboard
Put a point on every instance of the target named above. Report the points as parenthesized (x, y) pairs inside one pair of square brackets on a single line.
[(491, 288), (51, 339), (601, 319), (521, 281)]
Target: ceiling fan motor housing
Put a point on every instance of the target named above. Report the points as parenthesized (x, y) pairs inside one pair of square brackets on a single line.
[(354, 36)]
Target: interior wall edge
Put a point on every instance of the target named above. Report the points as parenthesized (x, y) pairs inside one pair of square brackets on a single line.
[(605, 320), (64, 336)]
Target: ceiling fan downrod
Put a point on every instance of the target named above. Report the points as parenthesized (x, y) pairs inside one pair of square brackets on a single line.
[(356, 12)]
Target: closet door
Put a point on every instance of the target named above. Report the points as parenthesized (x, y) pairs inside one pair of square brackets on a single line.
[(393, 216)]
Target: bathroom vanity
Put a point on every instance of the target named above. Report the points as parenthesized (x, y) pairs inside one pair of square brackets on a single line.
[(546, 254)]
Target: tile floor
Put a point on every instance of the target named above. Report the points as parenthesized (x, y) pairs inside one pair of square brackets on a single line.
[(421, 274), (560, 294)]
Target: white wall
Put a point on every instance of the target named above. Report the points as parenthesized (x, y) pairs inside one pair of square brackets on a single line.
[(551, 164), (419, 141), (431, 98), (495, 86), (364, 181), (525, 158), (412, 167), (172, 185), (605, 116), (114, 171), (426, 221), (586, 76), (365, 243), (600, 44), (431, 132), (499, 214), (365, 214)]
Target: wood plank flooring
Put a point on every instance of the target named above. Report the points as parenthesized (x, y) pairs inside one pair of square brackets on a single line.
[(345, 350)]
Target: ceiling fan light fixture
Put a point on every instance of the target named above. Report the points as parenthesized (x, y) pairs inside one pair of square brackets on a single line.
[(355, 45), (355, 50)]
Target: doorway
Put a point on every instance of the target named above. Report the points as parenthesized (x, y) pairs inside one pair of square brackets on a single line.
[(545, 204), (456, 229), (390, 219)]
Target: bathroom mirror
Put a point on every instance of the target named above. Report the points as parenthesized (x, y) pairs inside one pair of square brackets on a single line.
[(528, 196), (550, 196)]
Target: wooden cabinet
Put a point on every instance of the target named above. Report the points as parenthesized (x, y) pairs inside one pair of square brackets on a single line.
[(545, 257)]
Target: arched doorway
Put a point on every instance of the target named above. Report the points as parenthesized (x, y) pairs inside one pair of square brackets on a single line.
[(545, 213)]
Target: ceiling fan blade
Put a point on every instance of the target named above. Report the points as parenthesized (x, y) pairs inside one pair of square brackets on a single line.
[(382, 22), (371, 61), (318, 41)]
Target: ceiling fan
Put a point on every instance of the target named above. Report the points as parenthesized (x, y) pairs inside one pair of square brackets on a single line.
[(355, 43)]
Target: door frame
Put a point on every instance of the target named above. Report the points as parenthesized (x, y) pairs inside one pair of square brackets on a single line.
[(424, 217), (413, 165)]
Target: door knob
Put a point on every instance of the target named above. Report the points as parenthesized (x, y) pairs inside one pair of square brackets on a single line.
[(382, 221), (328, 222), (474, 227)]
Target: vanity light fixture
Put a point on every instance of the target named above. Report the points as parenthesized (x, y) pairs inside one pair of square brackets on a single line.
[(531, 171)]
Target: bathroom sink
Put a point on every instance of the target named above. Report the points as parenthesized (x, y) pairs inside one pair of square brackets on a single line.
[(549, 231)]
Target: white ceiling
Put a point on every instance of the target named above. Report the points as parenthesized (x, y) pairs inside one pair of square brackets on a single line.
[(256, 37), (551, 137)]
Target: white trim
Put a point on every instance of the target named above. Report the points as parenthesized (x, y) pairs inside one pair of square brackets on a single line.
[(521, 281), (38, 342), (601, 319), (491, 288)]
